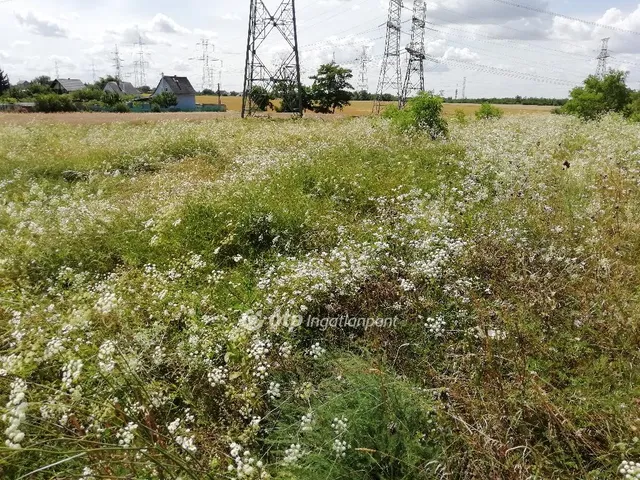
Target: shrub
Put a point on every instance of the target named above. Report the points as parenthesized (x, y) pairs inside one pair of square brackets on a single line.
[(600, 96), (155, 108), (260, 97), (165, 100), (111, 99), (87, 94), (121, 108), (52, 102), (422, 113), (461, 116), (488, 112)]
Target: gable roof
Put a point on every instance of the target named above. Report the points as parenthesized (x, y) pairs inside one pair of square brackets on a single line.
[(70, 84), (178, 85), (122, 88), (128, 88)]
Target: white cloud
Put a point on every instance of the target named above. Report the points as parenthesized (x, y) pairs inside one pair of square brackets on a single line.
[(20, 43), (41, 26), (205, 33), (474, 11), (460, 54), (164, 24), (230, 17), (3, 55)]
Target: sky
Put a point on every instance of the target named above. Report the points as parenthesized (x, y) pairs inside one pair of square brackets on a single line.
[(500, 49)]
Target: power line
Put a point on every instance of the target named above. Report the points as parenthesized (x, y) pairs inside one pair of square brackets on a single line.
[(568, 17)]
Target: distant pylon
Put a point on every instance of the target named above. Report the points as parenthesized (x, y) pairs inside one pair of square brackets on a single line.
[(57, 69), (142, 63), (117, 63), (602, 58), (390, 73), (414, 77), (464, 88), (286, 75), (363, 78), (204, 44), (93, 71)]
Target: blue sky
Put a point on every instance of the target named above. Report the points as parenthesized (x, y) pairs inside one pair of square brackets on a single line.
[(497, 47)]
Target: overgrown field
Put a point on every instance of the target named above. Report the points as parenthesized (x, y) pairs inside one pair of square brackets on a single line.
[(157, 281)]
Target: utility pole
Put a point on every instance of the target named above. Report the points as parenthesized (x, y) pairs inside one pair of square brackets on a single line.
[(117, 63), (219, 96), (262, 23), (456, 95), (601, 72), (391, 60), (363, 78), (464, 88), (414, 79)]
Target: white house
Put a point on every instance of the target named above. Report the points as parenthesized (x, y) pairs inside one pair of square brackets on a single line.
[(181, 87)]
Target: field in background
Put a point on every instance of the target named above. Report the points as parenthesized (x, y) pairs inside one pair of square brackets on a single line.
[(361, 108)]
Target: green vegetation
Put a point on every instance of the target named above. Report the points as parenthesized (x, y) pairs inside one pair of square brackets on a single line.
[(422, 113), (165, 100), (4, 82), (600, 96), (488, 112), (330, 89), (153, 277), (52, 102)]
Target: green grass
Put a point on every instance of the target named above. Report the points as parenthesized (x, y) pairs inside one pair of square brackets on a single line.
[(156, 255)]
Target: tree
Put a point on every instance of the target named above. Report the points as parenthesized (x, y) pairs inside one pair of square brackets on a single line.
[(329, 89), (287, 92), (110, 99), (165, 100), (43, 80), (104, 80), (599, 96), (260, 97), (145, 89), (4, 82), (208, 91)]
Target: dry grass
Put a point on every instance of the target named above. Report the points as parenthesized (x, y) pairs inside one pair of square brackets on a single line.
[(362, 108)]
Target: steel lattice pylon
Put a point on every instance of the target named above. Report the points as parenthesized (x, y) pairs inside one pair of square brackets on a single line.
[(286, 76), (388, 78), (414, 77), (602, 58)]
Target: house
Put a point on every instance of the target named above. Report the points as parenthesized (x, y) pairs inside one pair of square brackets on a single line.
[(121, 88), (67, 85), (181, 87)]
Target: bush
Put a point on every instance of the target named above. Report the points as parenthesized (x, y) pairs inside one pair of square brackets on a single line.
[(461, 116), (121, 108), (600, 96), (488, 112), (165, 100), (260, 97), (54, 103), (422, 113), (87, 94), (155, 108)]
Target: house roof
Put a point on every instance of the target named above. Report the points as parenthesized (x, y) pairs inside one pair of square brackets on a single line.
[(123, 88), (179, 85), (128, 88), (70, 84)]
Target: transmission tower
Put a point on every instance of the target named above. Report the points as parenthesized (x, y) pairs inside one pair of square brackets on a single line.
[(414, 78), (363, 78), (117, 63), (389, 78), (464, 88), (93, 71), (286, 75), (602, 58), (57, 69), (205, 59), (141, 64)]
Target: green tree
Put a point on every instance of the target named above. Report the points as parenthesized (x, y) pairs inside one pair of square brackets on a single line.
[(260, 97), (165, 100), (599, 96), (4, 82), (100, 84), (145, 89), (330, 88), (287, 92), (110, 99), (52, 102), (43, 80)]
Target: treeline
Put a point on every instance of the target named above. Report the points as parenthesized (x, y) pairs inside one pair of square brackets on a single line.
[(552, 102)]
